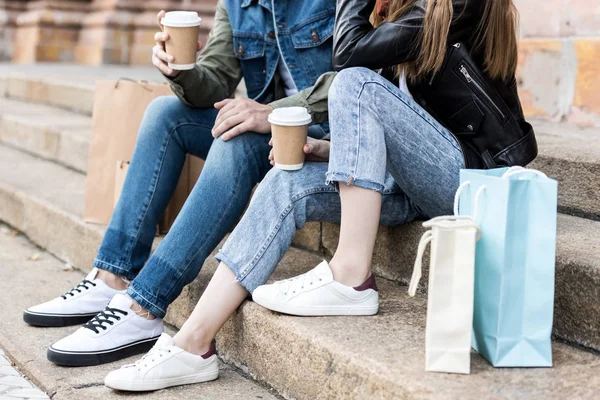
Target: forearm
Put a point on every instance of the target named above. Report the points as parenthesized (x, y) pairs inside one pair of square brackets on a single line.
[(357, 43), (217, 72), (313, 98)]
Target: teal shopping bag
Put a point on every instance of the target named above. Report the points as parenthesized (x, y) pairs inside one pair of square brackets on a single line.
[(514, 263)]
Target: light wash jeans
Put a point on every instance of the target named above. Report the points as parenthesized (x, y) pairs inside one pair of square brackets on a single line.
[(380, 140), (168, 131)]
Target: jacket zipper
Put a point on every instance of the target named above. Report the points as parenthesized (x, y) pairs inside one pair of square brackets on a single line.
[(479, 88)]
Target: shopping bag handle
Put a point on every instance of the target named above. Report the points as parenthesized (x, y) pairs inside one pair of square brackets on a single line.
[(141, 83), (478, 195), (418, 269), (513, 171), (470, 222)]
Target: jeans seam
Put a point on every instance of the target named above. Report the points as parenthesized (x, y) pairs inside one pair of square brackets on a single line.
[(331, 177), (99, 261), (153, 185), (282, 216), (425, 118), (205, 239), (137, 293)]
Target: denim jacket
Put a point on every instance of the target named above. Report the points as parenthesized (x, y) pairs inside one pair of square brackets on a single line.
[(243, 43), (303, 29)]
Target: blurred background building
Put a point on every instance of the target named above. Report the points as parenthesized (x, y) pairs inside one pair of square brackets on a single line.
[(558, 68)]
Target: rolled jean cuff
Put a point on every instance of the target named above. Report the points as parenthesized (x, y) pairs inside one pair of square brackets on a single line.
[(248, 284), (141, 297), (116, 267), (334, 178)]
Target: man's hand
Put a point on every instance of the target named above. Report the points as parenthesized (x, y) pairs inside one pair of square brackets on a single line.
[(160, 58), (241, 115), (315, 150)]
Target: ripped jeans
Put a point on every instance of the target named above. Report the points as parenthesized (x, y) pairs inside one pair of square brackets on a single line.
[(381, 140)]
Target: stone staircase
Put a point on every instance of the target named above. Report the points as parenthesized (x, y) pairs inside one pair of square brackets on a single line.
[(45, 129)]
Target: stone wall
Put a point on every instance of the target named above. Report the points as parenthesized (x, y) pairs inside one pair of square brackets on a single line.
[(559, 75), (90, 32), (559, 67)]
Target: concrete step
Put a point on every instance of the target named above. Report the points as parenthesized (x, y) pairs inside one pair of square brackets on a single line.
[(571, 155), (577, 287), (567, 153), (66, 86), (24, 282), (52, 133), (38, 197), (378, 357)]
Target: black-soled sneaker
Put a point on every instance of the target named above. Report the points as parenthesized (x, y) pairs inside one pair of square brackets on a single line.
[(75, 307), (113, 334)]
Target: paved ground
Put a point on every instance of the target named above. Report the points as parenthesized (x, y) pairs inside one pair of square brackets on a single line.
[(13, 385), (28, 276)]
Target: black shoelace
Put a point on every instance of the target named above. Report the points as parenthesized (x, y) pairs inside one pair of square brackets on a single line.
[(83, 285), (103, 318)]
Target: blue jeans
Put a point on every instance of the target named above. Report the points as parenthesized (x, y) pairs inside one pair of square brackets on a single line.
[(169, 130), (380, 140)]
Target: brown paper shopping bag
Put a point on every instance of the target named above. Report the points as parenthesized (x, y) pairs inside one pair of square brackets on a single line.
[(118, 111)]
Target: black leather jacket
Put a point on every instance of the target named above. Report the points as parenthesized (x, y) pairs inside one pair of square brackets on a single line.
[(357, 43)]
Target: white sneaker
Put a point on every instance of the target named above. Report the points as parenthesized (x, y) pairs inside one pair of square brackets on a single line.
[(75, 307), (113, 334), (315, 293), (164, 366)]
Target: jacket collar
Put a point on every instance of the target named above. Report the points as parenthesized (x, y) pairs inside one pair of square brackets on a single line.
[(265, 3)]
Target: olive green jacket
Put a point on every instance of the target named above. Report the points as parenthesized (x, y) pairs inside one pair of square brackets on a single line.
[(217, 74)]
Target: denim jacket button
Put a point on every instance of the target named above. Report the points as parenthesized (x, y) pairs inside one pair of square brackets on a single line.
[(271, 34), (314, 36)]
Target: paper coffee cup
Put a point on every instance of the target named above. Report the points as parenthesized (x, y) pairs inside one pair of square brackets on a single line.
[(289, 128), (183, 28)]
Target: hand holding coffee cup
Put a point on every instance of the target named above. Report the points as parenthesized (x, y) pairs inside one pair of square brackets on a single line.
[(163, 54), (289, 128), (314, 150)]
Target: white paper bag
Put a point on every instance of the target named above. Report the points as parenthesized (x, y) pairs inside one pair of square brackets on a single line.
[(450, 292)]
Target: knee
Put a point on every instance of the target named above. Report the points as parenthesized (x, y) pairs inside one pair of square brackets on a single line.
[(164, 108), (348, 84), (240, 146)]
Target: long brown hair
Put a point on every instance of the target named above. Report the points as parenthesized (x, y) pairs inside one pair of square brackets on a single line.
[(496, 36)]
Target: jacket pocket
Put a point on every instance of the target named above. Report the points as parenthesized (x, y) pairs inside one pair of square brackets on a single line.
[(313, 32), (467, 120), (248, 45), (249, 48)]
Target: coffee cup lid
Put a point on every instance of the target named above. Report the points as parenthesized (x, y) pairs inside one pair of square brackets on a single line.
[(290, 116), (181, 19)]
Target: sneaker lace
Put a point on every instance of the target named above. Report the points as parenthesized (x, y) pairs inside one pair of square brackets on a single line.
[(299, 282), (150, 358), (103, 318), (82, 286)]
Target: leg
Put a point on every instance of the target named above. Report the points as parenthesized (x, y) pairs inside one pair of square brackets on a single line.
[(168, 131), (282, 204), (422, 156), (216, 203)]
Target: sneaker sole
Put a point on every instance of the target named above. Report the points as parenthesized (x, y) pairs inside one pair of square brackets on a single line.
[(56, 320), (85, 359), (317, 311), (145, 386)]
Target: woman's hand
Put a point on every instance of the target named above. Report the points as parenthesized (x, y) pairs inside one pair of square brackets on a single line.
[(315, 150), (160, 58)]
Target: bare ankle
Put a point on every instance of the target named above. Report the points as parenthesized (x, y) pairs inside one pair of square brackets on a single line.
[(349, 273), (196, 344), (141, 311), (113, 281)]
